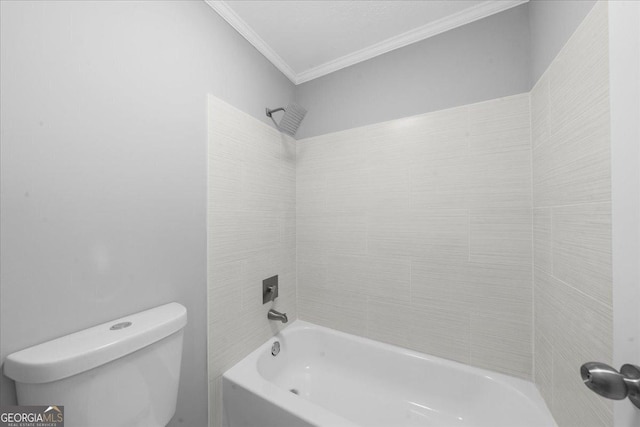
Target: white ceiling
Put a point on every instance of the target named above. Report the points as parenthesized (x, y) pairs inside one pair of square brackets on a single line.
[(307, 39)]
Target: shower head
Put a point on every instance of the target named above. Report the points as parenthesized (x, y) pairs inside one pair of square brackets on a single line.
[(293, 116)]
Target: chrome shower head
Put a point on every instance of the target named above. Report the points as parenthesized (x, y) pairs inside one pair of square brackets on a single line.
[(293, 116)]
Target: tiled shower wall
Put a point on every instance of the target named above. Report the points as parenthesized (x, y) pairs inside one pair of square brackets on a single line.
[(572, 223), (251, 236), (418, 232)]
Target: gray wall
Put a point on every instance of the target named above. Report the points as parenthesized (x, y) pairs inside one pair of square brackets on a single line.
[(484, 60), (551, 23), (103, 171), (501, 55)]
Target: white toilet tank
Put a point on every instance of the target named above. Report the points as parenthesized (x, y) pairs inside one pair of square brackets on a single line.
[(123, 373)]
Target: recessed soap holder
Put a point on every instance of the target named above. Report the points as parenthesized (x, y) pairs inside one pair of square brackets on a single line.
[(269, 289)]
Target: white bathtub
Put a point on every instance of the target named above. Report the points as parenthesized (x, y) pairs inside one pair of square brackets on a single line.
[(345, 380)]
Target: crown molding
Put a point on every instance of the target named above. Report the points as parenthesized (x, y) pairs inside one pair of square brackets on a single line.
[(229, 15), (475, 13)]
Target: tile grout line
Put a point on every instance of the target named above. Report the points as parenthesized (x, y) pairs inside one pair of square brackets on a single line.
[(583, 293), (533, 288), (572, 205)]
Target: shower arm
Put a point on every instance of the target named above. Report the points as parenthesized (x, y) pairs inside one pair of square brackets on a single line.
[(270, 112)]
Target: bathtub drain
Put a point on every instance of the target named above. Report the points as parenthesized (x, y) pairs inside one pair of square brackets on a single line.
[(275, 348)]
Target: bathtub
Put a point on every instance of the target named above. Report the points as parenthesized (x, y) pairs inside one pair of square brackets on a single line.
[(326, 378)]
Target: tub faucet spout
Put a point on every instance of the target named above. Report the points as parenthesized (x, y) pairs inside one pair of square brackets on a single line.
[(276, 315)]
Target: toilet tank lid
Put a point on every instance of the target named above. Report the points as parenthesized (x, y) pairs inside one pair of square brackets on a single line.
[(87, 349)]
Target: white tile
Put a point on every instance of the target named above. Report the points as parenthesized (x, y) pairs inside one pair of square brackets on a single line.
[(440, 331), (332, 151), (585, 335), (233, 338), (413, 181), (215, 402), (342, 310), (441, 183), (542, 240), (500, 125), (310, 193), (226, 181), (574, 165), (487, 289), (582, 249), (225, 274), (388, 177), (251, 235), (432, 330), (445, 284), (435, 234), (540, 110), (310, 252), (335, 232), (370, 276), (388, 189), (501, 180), (543, 367), (500, 236), (572, 223), (389, 322), (232, 234), (439, 135), (348, 190), (545, 306), (502, 290), (439, 170), (225, 290), (501, 343), (312, 275)]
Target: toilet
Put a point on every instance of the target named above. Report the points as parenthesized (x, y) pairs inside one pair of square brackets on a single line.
[(123, 373)]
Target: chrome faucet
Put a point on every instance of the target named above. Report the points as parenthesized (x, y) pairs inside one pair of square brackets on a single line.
[(276, 315)]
